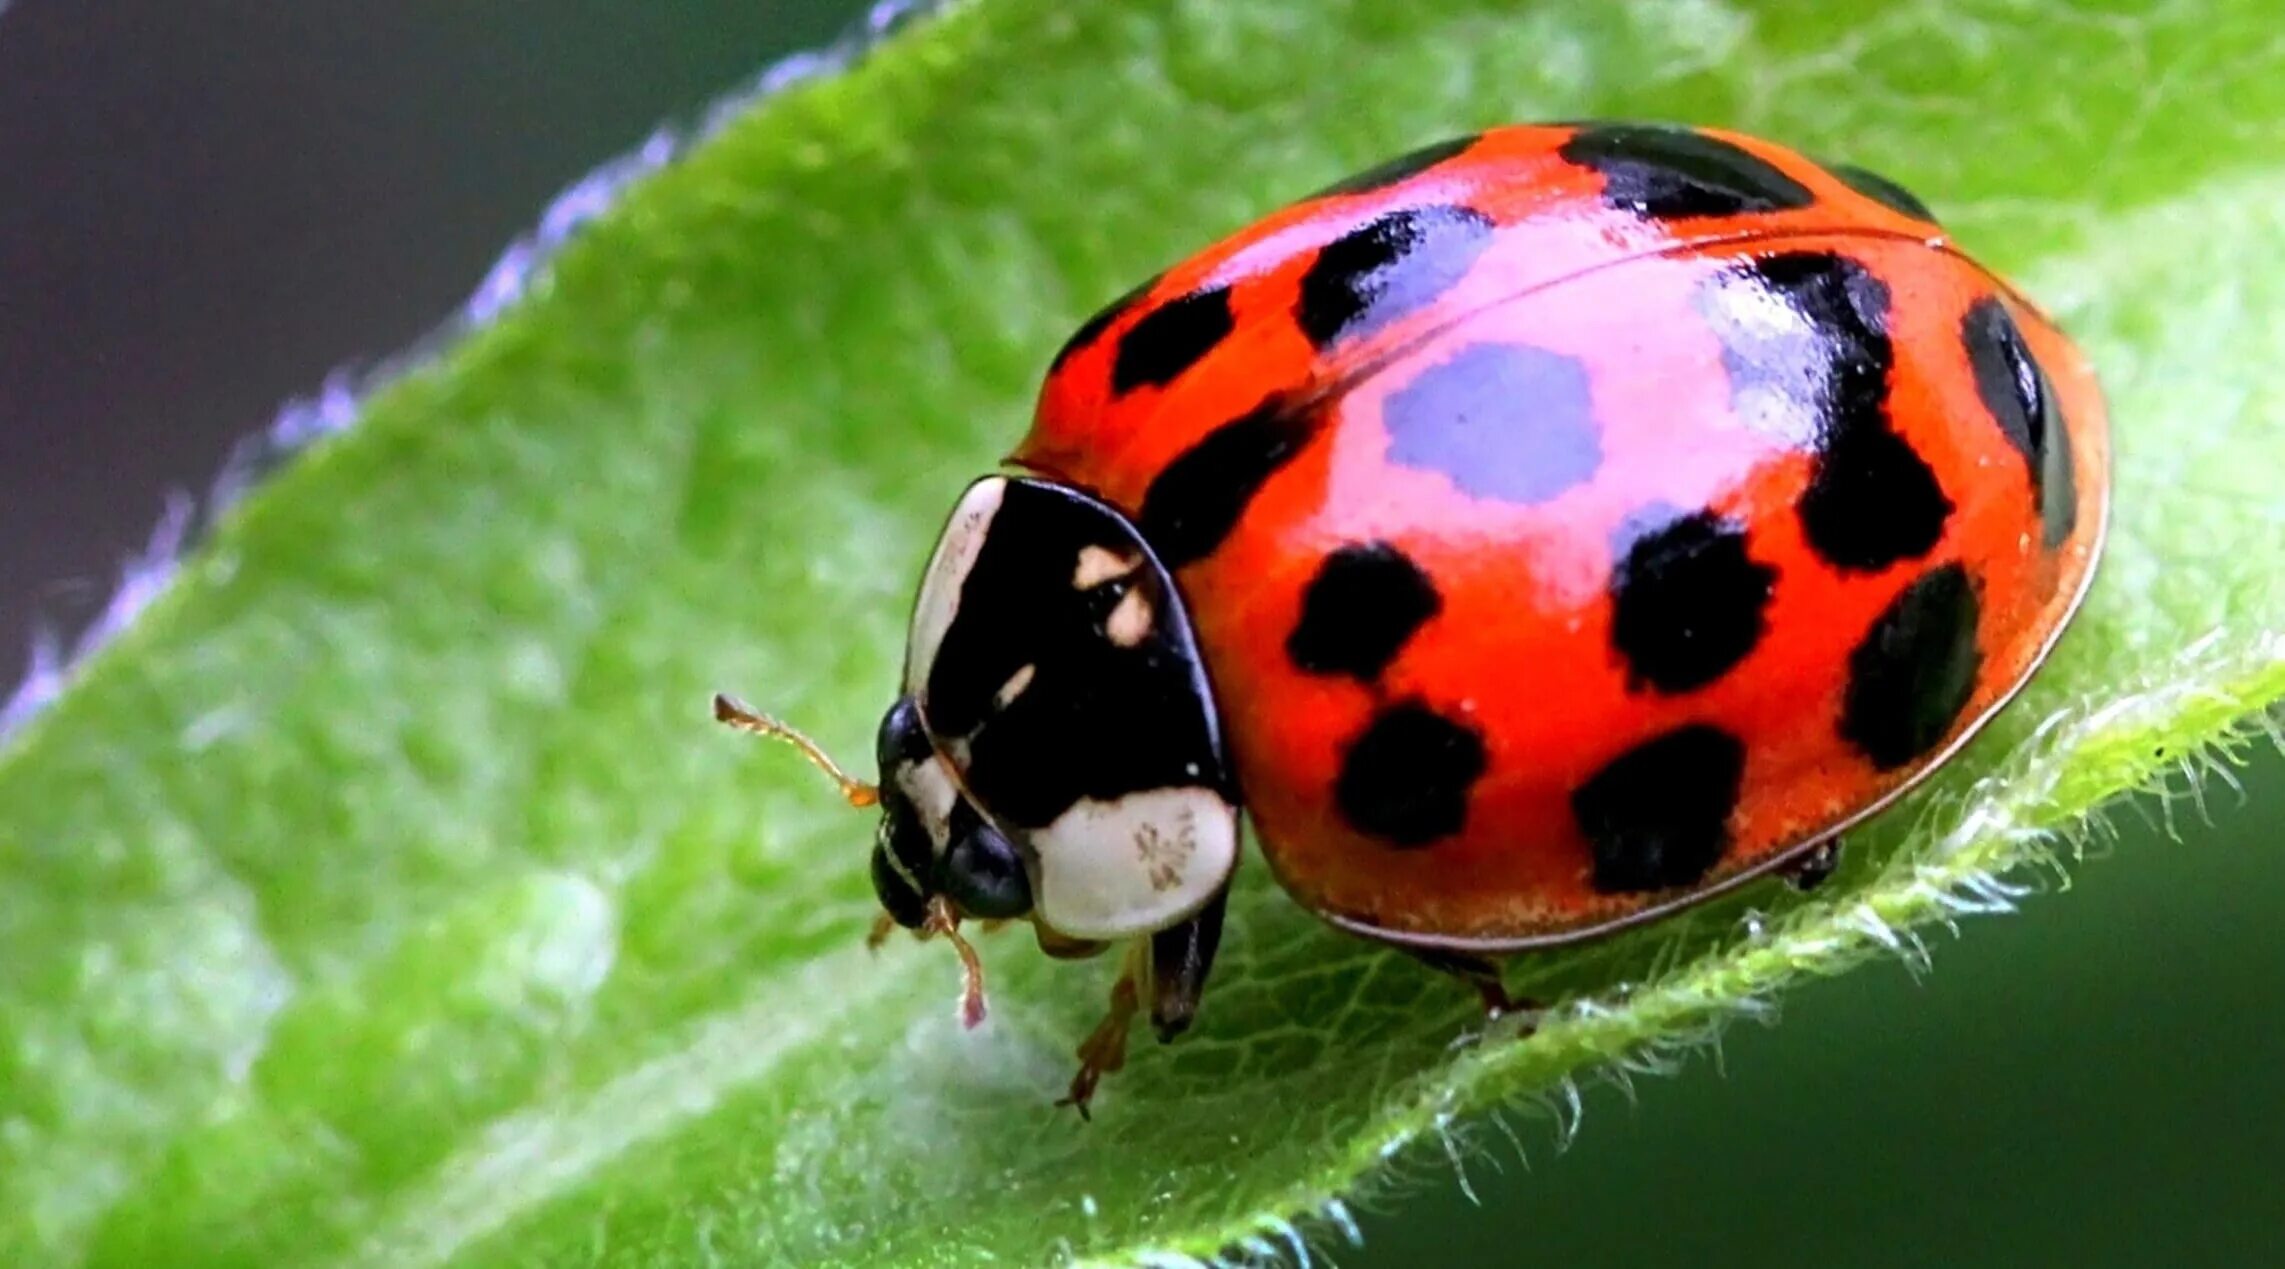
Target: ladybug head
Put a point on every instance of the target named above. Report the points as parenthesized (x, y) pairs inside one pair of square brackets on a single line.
[(1054, 754), (932, 842), (935, 860)]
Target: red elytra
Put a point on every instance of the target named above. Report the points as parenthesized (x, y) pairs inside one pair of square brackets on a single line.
[(1845, 485)]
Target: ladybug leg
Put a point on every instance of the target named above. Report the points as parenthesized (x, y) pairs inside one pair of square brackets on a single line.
[(1477, 972), (1169, 970), (1814, 866), (1105, 1048), (1061, 946), (1181, 956)]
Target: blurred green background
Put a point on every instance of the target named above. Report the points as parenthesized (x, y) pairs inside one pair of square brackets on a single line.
[(200, 218)]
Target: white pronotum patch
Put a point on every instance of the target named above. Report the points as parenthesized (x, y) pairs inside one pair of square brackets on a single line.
[(1098, 565), (1133, 865), (947, 571), (1130, 622), (1015, 685)]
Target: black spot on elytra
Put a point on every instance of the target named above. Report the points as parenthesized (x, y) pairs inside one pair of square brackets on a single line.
[(1882, 190), (1092, 329), (1406, 779), (1387, 267), (1399, 169), (1503, 421), (1816, 370), (1099, 719), (1194, 502), (1366, 600), (1915, 670), (1658, 815), (1669, 173), (2015, 390), (1687, 602), (1171, 338)]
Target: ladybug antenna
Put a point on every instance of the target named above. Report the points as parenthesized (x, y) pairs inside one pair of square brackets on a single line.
[(735, 714)]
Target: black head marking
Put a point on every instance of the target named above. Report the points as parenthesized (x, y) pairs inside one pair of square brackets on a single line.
[(1399, 169), (1882, 190), (1687, 602), (1406, 779), (1669, 173), (1915, 670), (1171, 338), (1095, 717), (1092, 329), (1194, 502), (1500, 421), (1658, 815), (1390, 266), (1365, 602), (1821, 364), (2015, 390)]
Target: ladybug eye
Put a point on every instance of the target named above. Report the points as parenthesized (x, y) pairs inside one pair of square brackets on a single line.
[(903, 903), (983, 874)]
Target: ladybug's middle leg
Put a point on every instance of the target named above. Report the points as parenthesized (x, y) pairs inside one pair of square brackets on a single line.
[(1479, 973), (1181, 956)]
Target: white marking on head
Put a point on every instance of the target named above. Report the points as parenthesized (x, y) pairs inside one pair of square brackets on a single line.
[(1133, 865), (1099, 564), (1015, 685), (1129, 622), (947, 572), (927, 785)]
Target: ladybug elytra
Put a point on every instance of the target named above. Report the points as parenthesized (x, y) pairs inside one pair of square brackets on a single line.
[(1533, 535)]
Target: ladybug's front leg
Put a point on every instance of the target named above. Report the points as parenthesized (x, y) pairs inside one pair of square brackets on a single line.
[(1105, 1048), (1170, 970)]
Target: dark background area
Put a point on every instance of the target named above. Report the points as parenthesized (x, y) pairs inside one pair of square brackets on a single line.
[(204, 209)]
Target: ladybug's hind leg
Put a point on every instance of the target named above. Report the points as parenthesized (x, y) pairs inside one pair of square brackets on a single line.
[(1814, 866), (1479, 973)]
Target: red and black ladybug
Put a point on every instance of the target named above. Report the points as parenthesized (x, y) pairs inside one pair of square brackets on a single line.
[(1533, 535)]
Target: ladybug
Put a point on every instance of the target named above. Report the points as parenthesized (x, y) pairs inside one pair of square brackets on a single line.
[(1533, 535)]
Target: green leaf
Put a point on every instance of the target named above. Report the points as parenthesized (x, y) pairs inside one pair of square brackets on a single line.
[(385, 896)]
